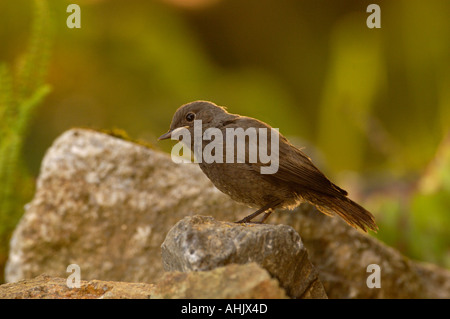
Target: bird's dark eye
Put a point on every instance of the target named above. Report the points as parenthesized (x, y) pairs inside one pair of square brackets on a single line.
[(190, 117)]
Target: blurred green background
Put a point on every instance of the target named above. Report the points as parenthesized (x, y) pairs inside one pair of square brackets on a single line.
[(372, 106)]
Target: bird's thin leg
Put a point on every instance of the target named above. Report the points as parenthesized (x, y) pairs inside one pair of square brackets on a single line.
[(265, 216), (258, 212)]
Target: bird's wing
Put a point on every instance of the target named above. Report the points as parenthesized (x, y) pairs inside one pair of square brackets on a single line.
[(294, 167), (297, 169)]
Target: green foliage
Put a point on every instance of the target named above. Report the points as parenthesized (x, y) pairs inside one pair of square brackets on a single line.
[(430, 207), (21, 90), (415, 216), (356, 74)]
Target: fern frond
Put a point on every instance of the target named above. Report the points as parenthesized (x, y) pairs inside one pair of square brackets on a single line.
[(6, 93), (31, 69)]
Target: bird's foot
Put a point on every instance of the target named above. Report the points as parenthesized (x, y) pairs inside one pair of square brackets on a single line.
[(248, 219)]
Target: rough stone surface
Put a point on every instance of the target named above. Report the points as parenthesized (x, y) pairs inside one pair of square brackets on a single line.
[(107, 204), (233, 281), (48, 287), (201, 243), (342, 254)]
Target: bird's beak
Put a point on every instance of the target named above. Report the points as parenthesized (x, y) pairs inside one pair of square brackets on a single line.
[(169, 134), (165, 136)]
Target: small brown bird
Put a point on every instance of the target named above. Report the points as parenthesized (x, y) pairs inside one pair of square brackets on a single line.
[(296, 180)]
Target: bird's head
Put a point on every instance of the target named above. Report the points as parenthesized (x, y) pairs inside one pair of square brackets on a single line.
[(209, 113)]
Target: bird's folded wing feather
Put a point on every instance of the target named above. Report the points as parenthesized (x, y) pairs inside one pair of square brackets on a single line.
[(294, 167)]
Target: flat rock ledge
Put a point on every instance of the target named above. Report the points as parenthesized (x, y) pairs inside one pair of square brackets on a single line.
[(47, 287), (200, 243), (233, 281)]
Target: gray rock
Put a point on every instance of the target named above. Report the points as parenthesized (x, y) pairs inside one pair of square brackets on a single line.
[(201, 243), (107, 204)]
